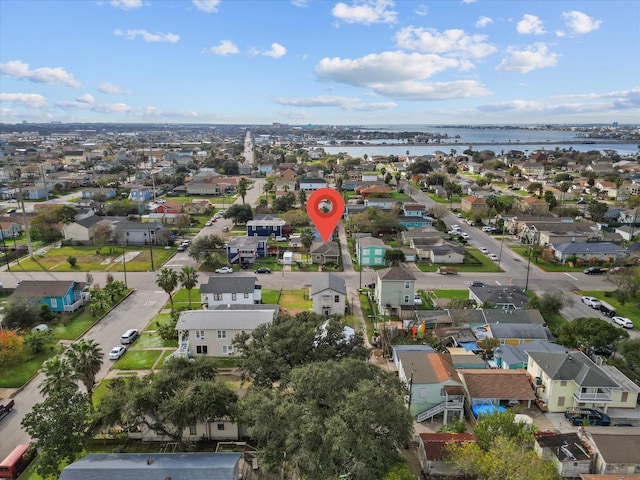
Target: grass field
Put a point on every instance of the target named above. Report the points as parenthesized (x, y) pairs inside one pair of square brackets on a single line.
[(297, 299), (544, 265), (55, 260), (474, 261), (138, 360), (270, 296), (629, 309)]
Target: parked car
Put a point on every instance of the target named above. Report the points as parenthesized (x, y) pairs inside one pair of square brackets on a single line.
[(590, 416), (493, 257), (225, 229), (471, 223), (607, 309), (5, 409), (182, 248), (40, 328), (224, 270), (129, 336), (484, 250), (617, 270), (487, 229), (208, 223), (455, 227), (417, 299), (595, 270), (281, 239), (117, 352), (459, 215), (623, 322), (593, 302), (262, 270), (476, 283)]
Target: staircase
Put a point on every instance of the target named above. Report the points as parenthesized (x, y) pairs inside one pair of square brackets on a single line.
[(432, 412)]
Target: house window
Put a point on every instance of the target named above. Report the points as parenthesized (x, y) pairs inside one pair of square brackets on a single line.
[(227, 349), (336, 298), (407, 284), (234, 296), (378, 251), (221, 426), (377, 261), (422, 392), (193, 430), (199, 333), (202, 349), (561, 401), (623, 397), (406, 299), (246, 295), (563, 383), (222, 334), (217, 297), (54, 303)]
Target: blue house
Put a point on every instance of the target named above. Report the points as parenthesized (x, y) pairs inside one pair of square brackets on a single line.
[(141, 194), (60, 295), (265, 225), (241, 250), (412, 221)]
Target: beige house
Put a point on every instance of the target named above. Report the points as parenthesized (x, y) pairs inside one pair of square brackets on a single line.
[(230, 291), (533, 206), (211, 332), (474, 205), (568, 380)]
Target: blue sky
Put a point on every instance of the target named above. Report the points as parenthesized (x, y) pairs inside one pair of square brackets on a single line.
[(320, 62)]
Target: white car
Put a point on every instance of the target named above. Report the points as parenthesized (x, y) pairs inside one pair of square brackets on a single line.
[(208, 223), (117, 352), (465, 235), (471, 223), (224, 270), (487, 229), (417, 299), (593, 302), (623, 322), (493, 257), (484, 250), (455, 227), (459, 215)]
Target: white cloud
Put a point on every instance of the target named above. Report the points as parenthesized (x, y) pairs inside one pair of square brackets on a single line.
[(429, 91), (48, 75), (469, 1), (110, 88), (300, 3), (561, 33), (483, 21), (208, 6), (30, 100), (422, 10), (276, 51), (147, 36), (530, 25), (366, 12), (224, 48), (126, 4), (454, 41), (345, 103), (86, 98), (532, 58), (580, 22)]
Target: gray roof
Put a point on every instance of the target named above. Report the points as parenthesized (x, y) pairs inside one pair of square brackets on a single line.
[(223, 319), (495, 315), (512, 354), (153, 466), (331, 249), (590, 247), (620, 378), (365, 242), (45, 288), (254, 306), (572, 366), (395, 273), (246, 241), (532, 331), (328, 281), (500, 295), (231, 284)]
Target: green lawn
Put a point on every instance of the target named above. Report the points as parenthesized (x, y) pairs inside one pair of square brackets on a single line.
[(629, 309), (451, 293), (152, 340), (523, 251), (138, 360), (160, 318), (437, 198), (269, 296), (297, 299), (474, 261), (55, 260)]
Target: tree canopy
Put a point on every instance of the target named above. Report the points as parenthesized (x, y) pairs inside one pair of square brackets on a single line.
[(239, 213), (323, 425), (588, 332), (202, 248), (272, 350)]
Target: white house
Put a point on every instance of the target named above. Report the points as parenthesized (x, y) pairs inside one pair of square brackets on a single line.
[(230, 291), (328, 293)]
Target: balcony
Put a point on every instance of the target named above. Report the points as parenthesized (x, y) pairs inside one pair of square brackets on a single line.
[(593, 396)]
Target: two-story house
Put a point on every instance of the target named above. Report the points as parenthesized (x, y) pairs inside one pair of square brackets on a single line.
[(370, 251), (246, 250), (230, 291), (328, 293), (566, 380), (474, 206), (394, 293), (265, 225), (310, 184)]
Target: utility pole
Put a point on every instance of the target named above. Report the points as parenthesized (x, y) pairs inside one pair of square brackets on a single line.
[(24, 213)]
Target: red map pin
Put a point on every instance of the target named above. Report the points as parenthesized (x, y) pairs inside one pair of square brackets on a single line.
[(325, 223)]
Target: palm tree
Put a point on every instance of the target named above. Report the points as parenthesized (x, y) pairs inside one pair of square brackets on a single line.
[(306, 238), (98, 302), (243, 185), (85, 357), (188, 279), (167, 280), (59, 376)]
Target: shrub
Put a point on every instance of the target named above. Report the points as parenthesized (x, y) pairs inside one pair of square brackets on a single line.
[(72, 260)]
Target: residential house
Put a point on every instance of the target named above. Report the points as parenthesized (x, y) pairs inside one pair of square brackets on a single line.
[(490, 316), (394, 292), (325, 253), (501, 297), (564, 380), (265, 225), (517, 333), (137, 233), (310, 184), (606, 190), (567, 451), (230, 291), (414, 221), (433, 384), (59, 295), (124, 232), (366, 190), (533, 206), (601, 251), (153, 466), (474, 206), (36, 192), (433, 451), (495, 386), (616, 451), (413, 210), (328, 293), (141, 194), (380, 203), (10, 230), (108, 192), (197, 207), (419, 232), (533, 169), (168, 207), (513, 357), (246, 250), (370, 251), (437, 250), (211, 332), (211, 185)]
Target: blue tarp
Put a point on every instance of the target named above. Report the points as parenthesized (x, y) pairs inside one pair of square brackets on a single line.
[(470, 346), (486, 409)]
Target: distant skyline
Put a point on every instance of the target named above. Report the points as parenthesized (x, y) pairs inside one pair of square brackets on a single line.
[(367, 62)]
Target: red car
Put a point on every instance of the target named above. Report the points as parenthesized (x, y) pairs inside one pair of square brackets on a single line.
[(616, 270)]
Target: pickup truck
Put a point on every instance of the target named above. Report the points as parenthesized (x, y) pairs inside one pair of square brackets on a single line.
[(589, 416), (447, 271), (5, 409)]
